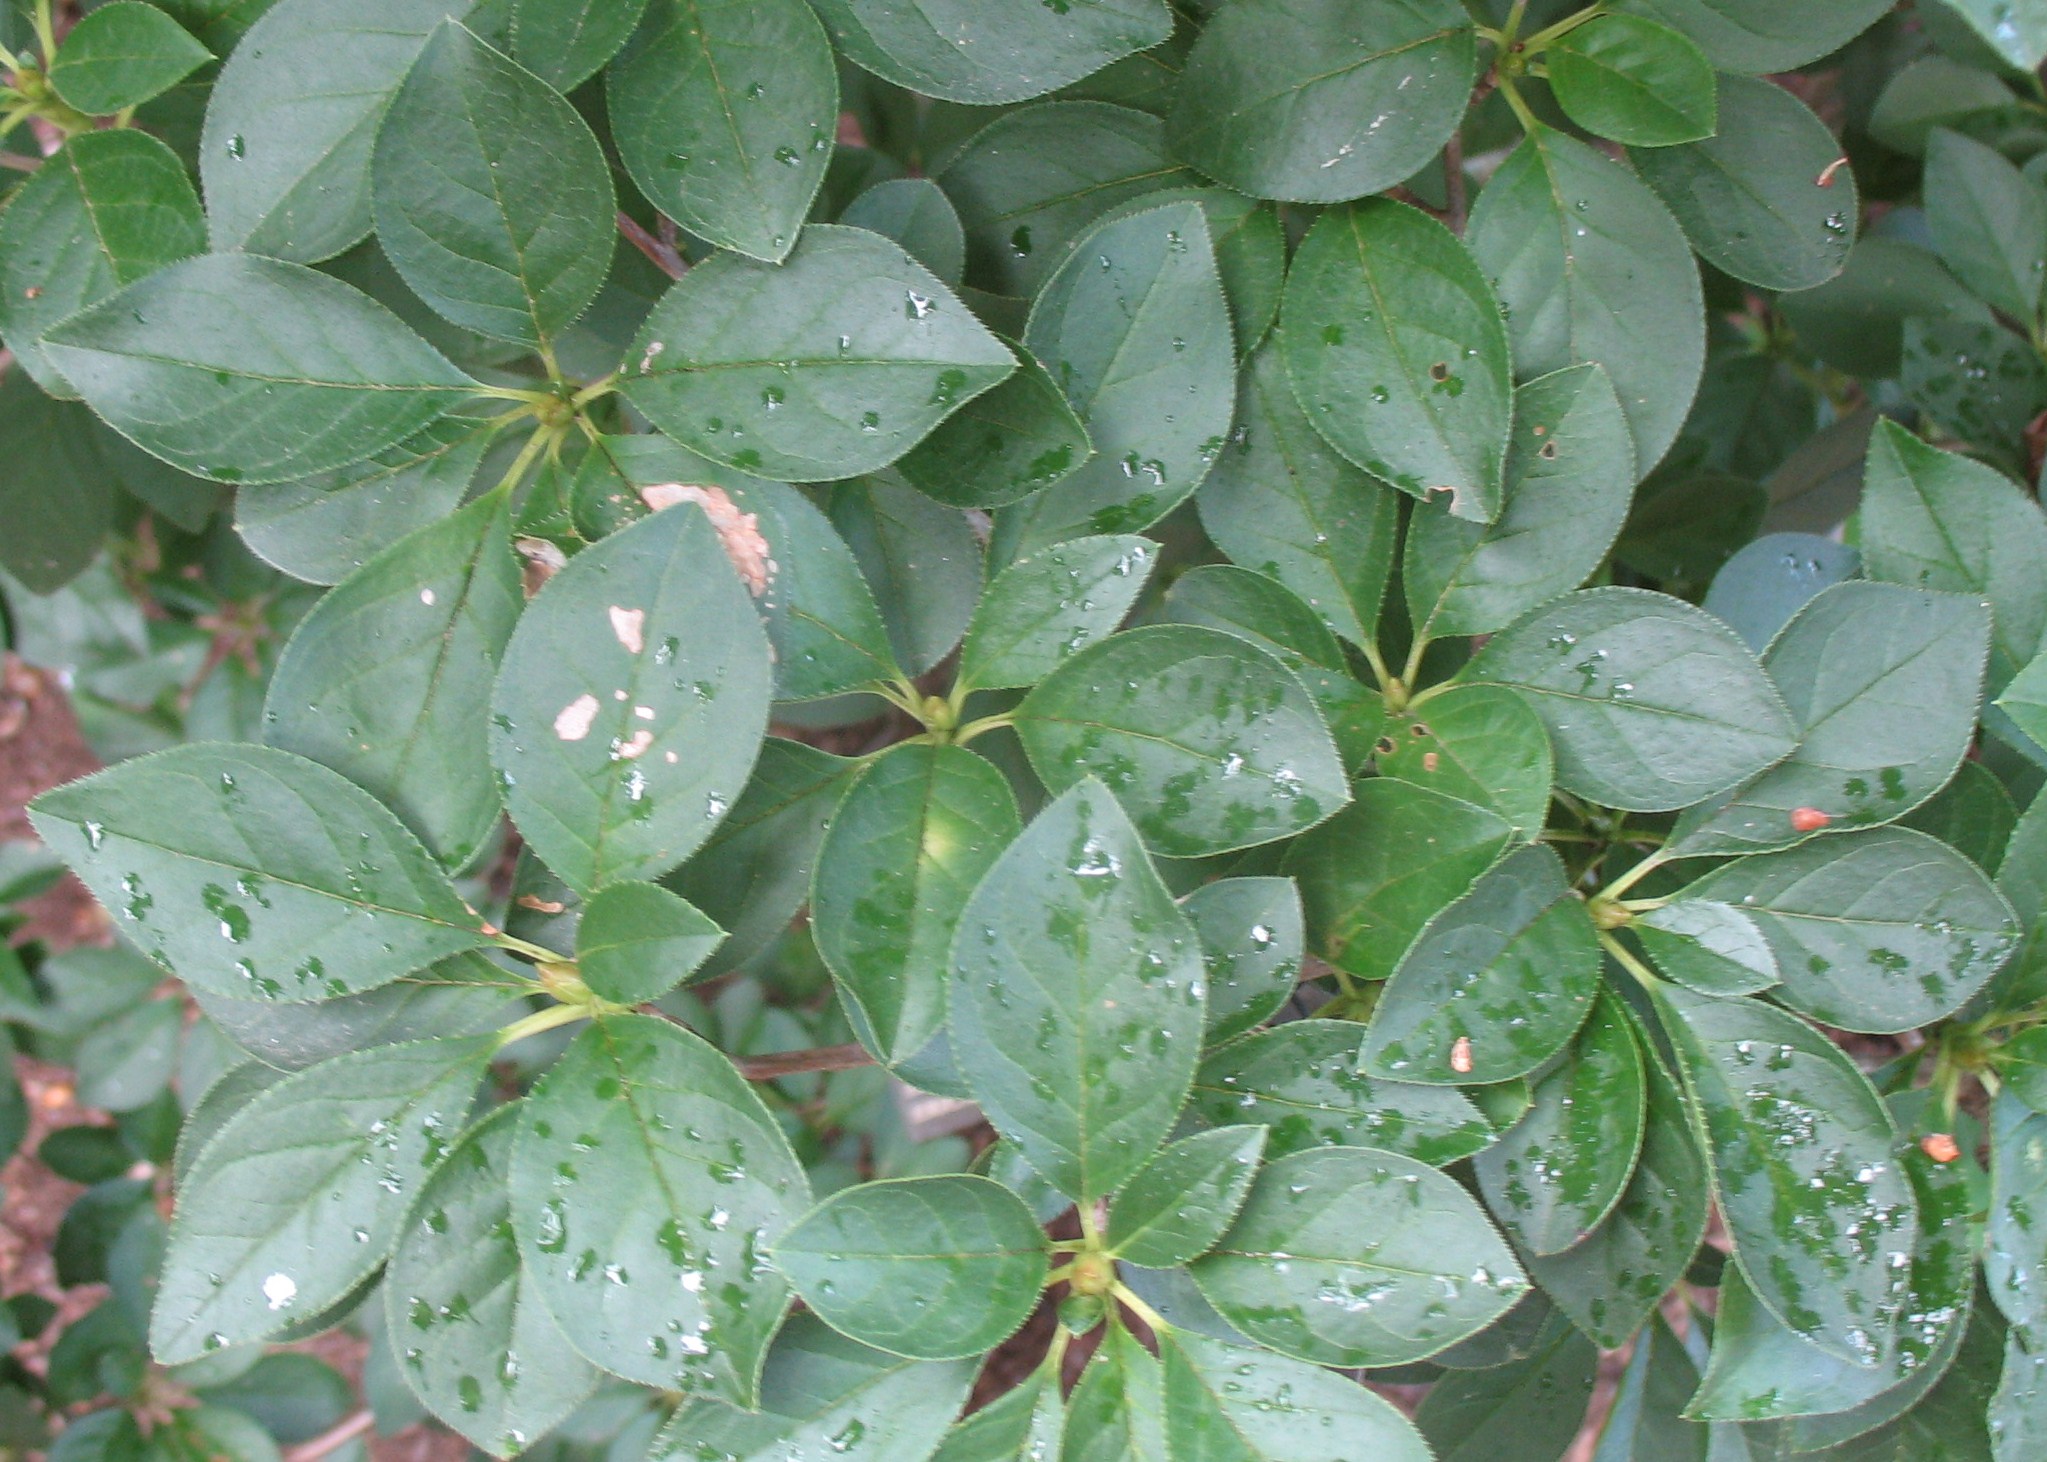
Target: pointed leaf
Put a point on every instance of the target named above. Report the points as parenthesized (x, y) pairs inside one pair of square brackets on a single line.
[(922, 562), (1534, 1404), (1176, 1206), (638, 941), (1043, 609), (1003, 445), (957, 50), (2015, 1244), (1251, 942), (120, 55), (1634, 81), (1233, 1403), (1989, 221), (915, 213), (1757, 36), (1714, 948), (1479, 743), (564, 42)]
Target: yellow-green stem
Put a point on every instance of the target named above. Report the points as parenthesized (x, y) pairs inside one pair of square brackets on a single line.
[(541, 1020)]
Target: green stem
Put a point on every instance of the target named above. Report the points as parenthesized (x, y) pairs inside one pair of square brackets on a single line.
[(1512, 29), (1129, 1300), (540, 1020), (1634, 875), (1413, 666), (531, 951), (1378, 663), (1522, 113), (594, 390), (1647, 977), (46, 31), (972, 729), (528, 455), (1543, 39)]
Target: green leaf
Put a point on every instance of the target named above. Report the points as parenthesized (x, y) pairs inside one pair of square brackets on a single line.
[(1278, 99), (302, 1192), (724, 113), (1591, 267), (1375, 873), (1882, 931), (256, 874), (1989, 222), (491, 195), (940, 1268), (697, 1183), (1176, 1206), (1856, 321), (1979, 378), (1250, 252), (1279, 500), (1936, 520), (1141, 347), (323, 528), (638, 941), (1042, 610), (1884, 683), (1650, 703), (1032, 180), (1003, 445), (1821, 1216), (55, 494), (829, 1396), (1234, 1403), (1761, 1370), (915, 213), (1077, 996), (1758, 36), (478, 1348), (285, 165), (1398, 354), (2015, 1248), (1633, 81), (411, 723), (1570, 477), (1302, 1083), (1687, 525), (1766, 198), (108, 209), (120, 55), (1251, 942), (1495, 985), (125, 1063), (959, 51), (631, 703), (1714, 948), (913, 836), (245, 369), (1534, 1405), (2018, 32), (762, 368), (1117, 1412), (1647, 1422), (1613, 1280), (1410, 1259), (1027, 1417), (1972, 814), (564, 42), (1479, 743), (922, 561), (1765, 584), (1212, 741)]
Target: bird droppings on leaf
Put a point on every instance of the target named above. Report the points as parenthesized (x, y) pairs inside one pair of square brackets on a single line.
[(739, 532)]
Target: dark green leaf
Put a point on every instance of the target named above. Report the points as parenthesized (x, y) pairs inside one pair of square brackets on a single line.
[(1251, 942), (1176, 1206), (2015, 1247), (922, 562), (1977, 378), (1398, 354), (1989, 222), (1233, 1403), (1634, 81), (1003, 445), (724, 113), (410, 724), (1317, 102), (563, 42), (761, 367), (1077, 996), (1715, 948), (697, 1182), (1117, 1412), (915, 213), (1647, 1422), (1533, 1406), (1044, 609), (120, 55), (1479, 743), (1350, 1257), (257, 874), (1213, 742), (937, 1268), (1972, 814), (54, 493), (1250, 252), (302, 1192), (1764, 35), (1856, 321), (638, 941), (960, 51), (631, 702)]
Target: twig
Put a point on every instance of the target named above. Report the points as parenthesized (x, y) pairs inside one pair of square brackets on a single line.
[(333, 1439), (667, 260), (794, 1063), (19, 163)]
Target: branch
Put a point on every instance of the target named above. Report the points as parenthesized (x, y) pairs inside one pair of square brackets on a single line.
[(664, 258), (333, 1439), (793, 1063), (19, 163)]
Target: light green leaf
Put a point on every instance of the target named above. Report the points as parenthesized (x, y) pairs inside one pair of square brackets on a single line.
[(2015, 1248), (245, 369), (960, 51), (301, 1194), (108, 209), (410, 724), (1142, 350), (1715, 948), (1046, 608), (1633, 81), (909, 842), (1117, 1412), (1398, 354), (1410, 1258), (922, 562), (564, 42), (1281, 501), (832, 365), (1251, 941), (1250, 246), (1176, 1206), (256, 874), (491, 195), (631, 703), (1758, 36), (1317, 102), (1025, 1419), (1650, 703), (1591, 267), (637, 941), (724, 113), (2019, 32), (915, 213), (667, 1277), (941, 1268), (1301, 1081), (1884, 683), (1214, 743), (1533, 1404), (1768, 198), (1479, 743), (120, 55), (1762, 1370), (1077, 996), (478, 1348), (1821, 1215), (1989, 222), (1494, 986), (1570, 477), (1234, 1403), (1003, 445)]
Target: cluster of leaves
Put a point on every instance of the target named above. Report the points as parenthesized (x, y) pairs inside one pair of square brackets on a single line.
[(1345, 789)]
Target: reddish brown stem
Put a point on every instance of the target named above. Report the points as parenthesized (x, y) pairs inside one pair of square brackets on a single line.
[(333, 1439), (794, 1063), (667, 260)]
